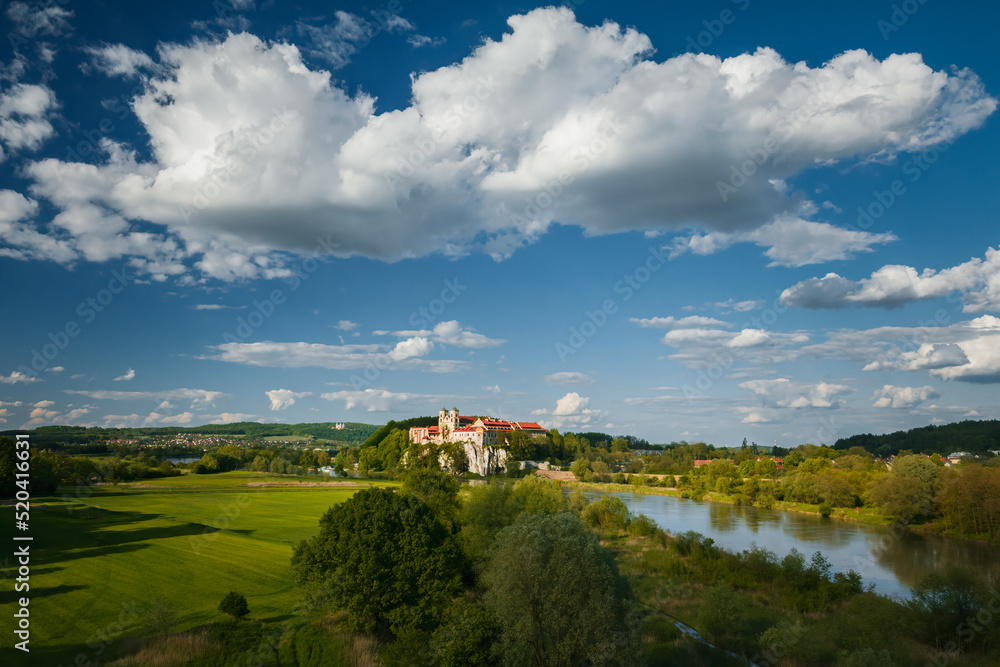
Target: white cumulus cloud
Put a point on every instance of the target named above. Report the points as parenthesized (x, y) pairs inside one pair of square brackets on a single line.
[(893, 285), (285, 398), (784, 393), (891, 396), (640, 140)]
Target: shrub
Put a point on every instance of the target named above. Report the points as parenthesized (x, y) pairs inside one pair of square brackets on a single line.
[(723, 611), (609, 513), (642, 526)]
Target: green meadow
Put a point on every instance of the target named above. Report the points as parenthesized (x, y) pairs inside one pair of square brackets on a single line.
[(102, 557)]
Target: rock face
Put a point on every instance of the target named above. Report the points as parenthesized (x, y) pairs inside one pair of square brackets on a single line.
[(485, 460)]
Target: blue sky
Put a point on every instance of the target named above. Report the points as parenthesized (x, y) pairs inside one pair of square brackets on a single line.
[(706, 221)]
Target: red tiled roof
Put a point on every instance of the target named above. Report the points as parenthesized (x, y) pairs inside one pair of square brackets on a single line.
[(530, 426)]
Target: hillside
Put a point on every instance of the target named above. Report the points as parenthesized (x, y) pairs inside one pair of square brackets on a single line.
[(975, 437), (353, 433)]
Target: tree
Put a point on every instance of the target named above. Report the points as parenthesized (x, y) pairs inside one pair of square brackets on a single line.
[(368, 460), (581, 469), (385, 559), (322, 459), (919, 467), (465, 638), (905, 497), (234, 604), (564, 605), (489, 508), (519, 446), (307, 459), (259, 464), (601, 470), (438, 489), (766, 467), (723, 612), (458, 460)]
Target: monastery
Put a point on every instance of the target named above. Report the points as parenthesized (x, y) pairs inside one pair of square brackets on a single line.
[(482, 436)]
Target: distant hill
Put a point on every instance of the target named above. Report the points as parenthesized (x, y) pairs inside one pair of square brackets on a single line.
[(353, 433), (975, 437)]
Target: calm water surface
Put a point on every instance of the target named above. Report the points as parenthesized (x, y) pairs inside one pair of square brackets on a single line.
[(883, 557)]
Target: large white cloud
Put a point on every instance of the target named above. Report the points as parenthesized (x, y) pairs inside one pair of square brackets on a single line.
[(198, 397), (689, 322), (452, 332), (790, 241), (784, 393), (285, 398), (701, 348), (967, 351), (406, 355), (978, 280), (383, 400), (253, 151), (572, 410), (891, 396)]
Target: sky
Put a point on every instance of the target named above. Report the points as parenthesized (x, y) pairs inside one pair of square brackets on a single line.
[(701, 221)]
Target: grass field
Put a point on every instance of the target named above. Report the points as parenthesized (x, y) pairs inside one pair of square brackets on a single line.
[(100, 560)]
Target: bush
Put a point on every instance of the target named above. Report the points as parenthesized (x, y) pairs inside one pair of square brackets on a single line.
[(234, 604), (642, 526), (825, 509), (723, 612), (619, 478), (608, 513), (692, 543)]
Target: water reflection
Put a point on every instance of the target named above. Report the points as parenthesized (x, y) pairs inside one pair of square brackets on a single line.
[(892, 560)]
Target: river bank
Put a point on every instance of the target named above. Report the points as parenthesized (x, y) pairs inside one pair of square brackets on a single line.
[(863, 515)]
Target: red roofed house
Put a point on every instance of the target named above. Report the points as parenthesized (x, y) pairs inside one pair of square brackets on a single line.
[(484, 434)]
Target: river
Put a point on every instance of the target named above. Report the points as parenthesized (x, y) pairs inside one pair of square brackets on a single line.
[(890, 559)]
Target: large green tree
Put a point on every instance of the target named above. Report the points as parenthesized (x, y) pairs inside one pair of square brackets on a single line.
[(558, 597), (385, 559)]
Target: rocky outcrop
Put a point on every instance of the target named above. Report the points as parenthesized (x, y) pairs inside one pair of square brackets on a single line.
[(482, 460)]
